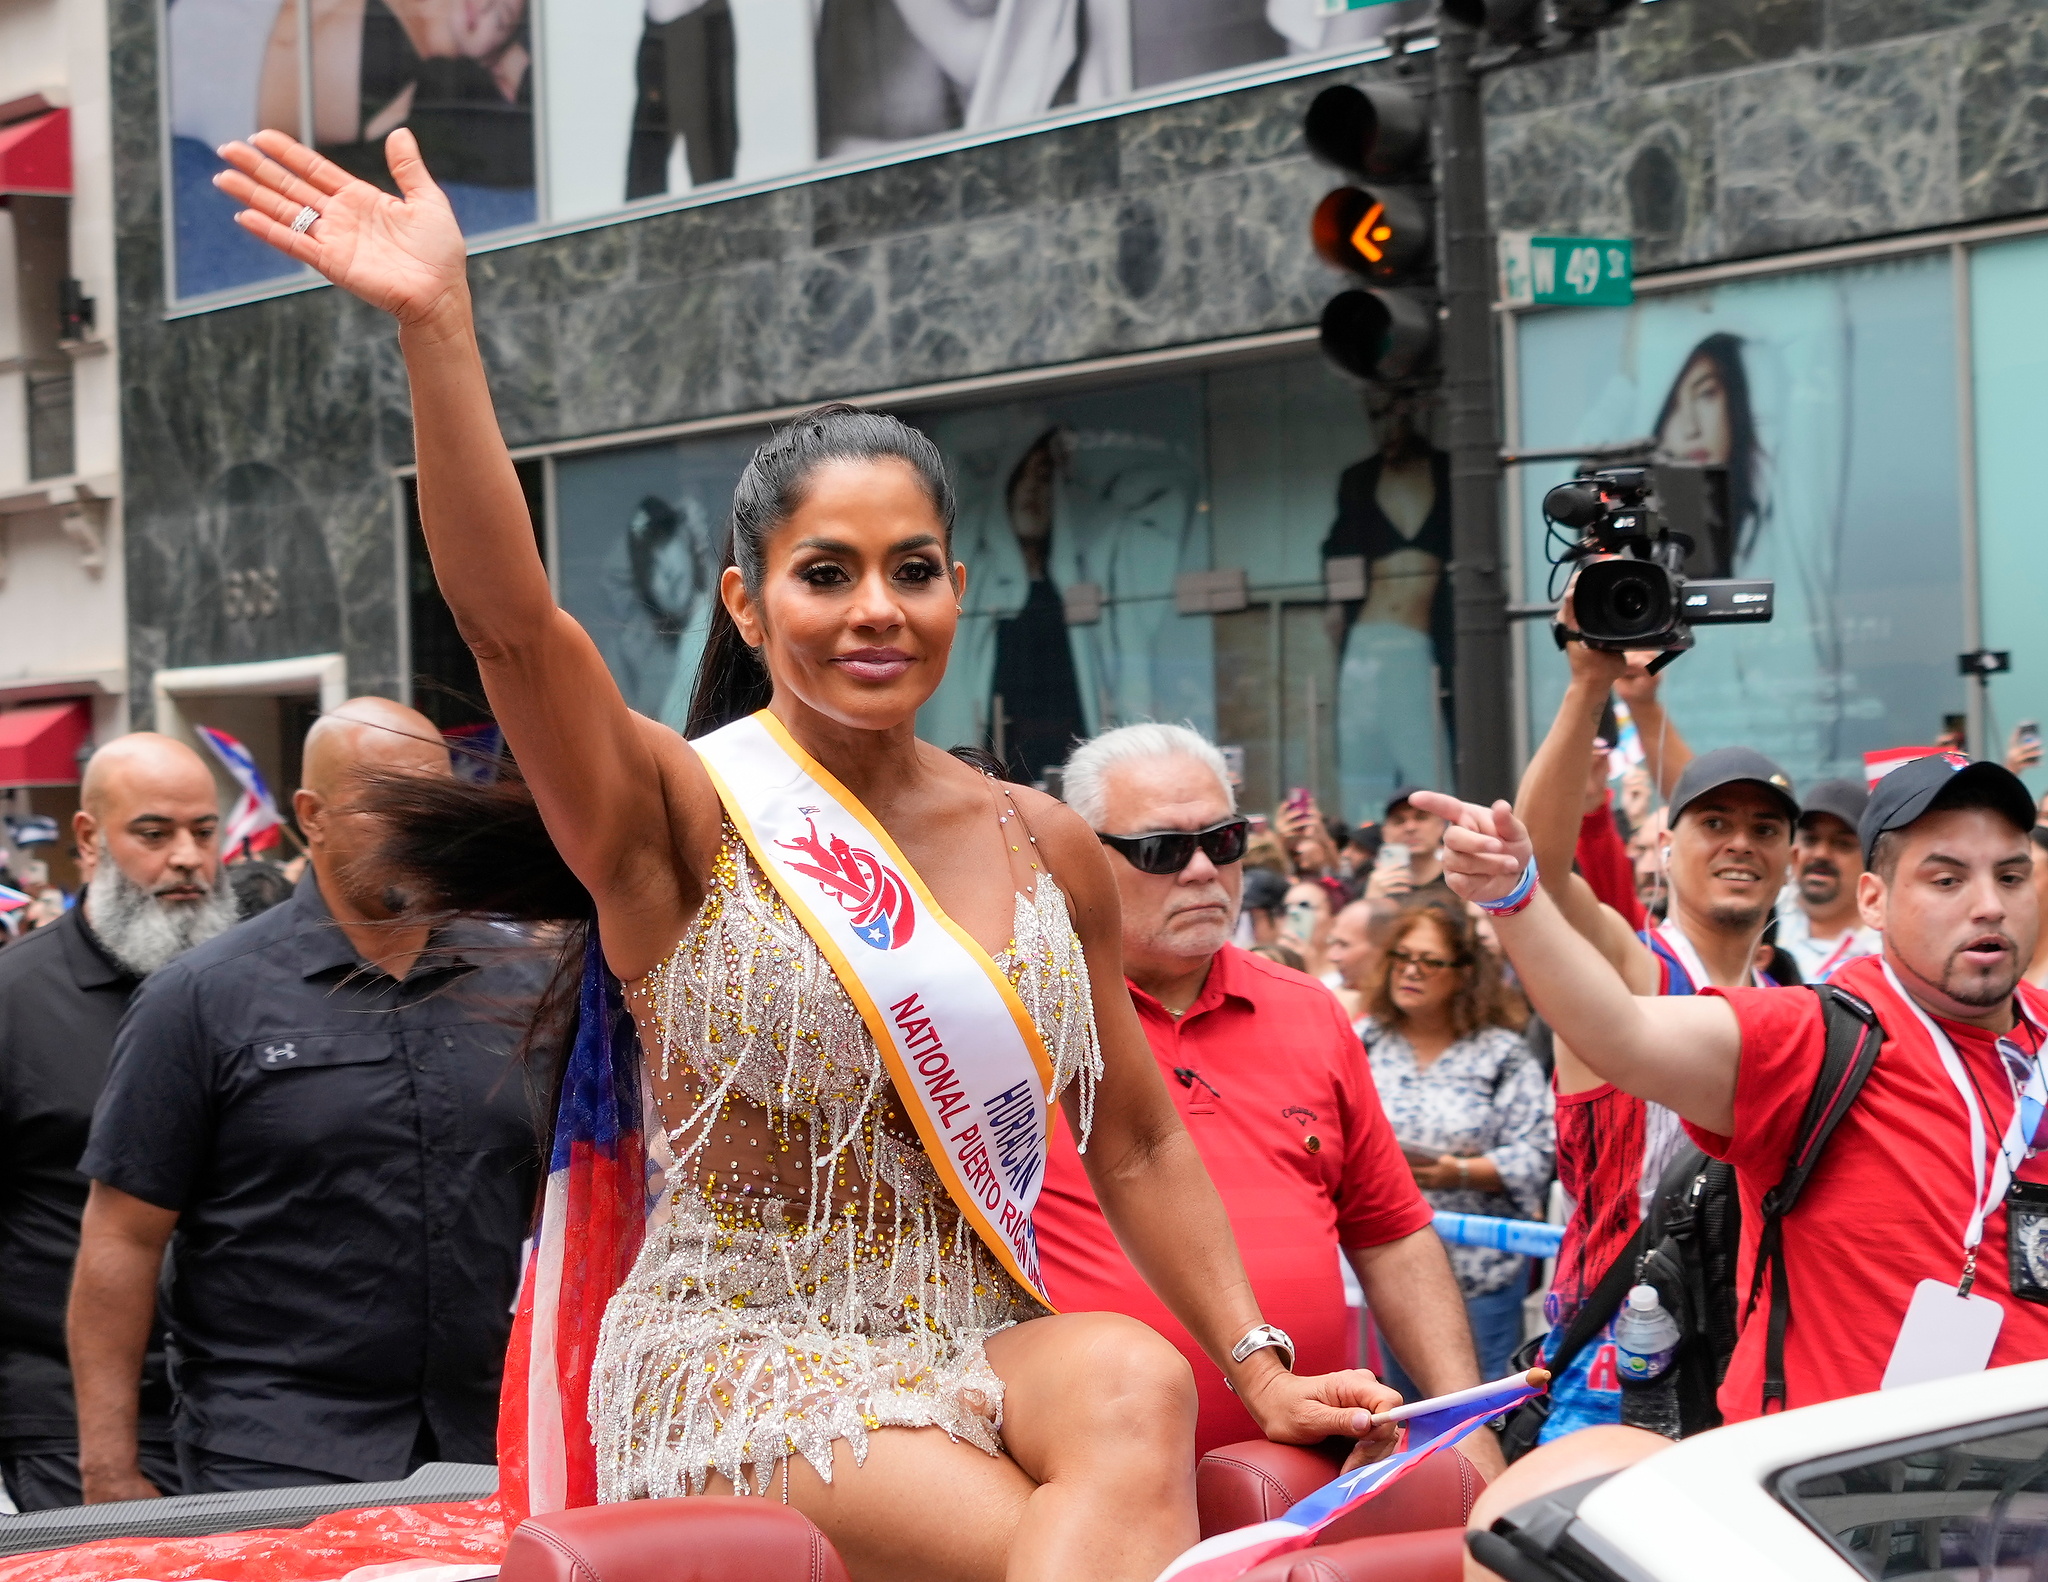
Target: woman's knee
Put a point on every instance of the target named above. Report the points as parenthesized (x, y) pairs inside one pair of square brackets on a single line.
[(1133, 1379)]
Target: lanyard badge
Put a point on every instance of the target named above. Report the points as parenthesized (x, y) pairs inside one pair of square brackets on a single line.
[(1947, 1331), (2030, 1101)]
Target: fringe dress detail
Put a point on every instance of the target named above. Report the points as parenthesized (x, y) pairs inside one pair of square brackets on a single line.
[(805, 1276)]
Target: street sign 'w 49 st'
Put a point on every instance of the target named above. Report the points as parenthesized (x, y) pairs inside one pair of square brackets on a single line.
[(1566, 271)]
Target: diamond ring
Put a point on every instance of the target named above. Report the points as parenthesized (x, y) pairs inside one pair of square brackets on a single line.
[(304, 222)]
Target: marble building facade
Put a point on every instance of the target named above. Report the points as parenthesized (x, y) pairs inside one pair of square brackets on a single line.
[(265, 438)]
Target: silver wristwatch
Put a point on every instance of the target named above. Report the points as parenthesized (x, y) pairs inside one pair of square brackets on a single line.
[(1260, 1336)]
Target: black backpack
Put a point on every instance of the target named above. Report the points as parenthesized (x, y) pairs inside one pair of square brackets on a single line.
[(1688, 1244)]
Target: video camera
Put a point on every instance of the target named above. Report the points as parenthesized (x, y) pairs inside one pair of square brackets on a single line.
[(1634, 591)]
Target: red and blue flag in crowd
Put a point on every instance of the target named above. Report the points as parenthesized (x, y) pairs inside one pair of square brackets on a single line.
[(1433, 1426), (253, 824), (12, 899), (474, 751), (593, 1213)]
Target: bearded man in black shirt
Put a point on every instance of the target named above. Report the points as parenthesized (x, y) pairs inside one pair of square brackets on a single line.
[(146, 835)]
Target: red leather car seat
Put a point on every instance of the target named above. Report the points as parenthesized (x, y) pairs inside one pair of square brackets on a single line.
[(1412, 1533), (1254, 1481), (712, 1538), (1437, 1556)]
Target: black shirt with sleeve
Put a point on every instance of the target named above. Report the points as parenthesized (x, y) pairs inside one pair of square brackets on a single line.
[(61, 998), (353, 1161)]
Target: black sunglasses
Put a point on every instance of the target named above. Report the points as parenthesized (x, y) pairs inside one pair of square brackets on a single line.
[(1171, 850)]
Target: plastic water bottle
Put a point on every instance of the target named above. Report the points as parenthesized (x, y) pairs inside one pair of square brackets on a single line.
[(1645, 1340)]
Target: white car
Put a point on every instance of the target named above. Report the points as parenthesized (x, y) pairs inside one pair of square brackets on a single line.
[(1939, 1481)]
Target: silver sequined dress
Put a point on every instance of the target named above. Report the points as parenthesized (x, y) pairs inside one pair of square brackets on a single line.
[(806, 1277)]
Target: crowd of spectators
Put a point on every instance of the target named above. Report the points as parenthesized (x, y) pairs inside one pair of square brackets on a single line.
[(1349, 1045)]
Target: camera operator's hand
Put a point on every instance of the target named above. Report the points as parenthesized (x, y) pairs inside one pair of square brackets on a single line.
[(1628, 674), (1485, 849)]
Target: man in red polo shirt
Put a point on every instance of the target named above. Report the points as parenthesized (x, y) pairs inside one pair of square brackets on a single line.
[(1274, 1087), (1919, 1247)]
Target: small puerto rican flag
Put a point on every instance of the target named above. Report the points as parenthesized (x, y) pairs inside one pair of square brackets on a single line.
[(253, 823), (1432, 1426), (1878, 764)]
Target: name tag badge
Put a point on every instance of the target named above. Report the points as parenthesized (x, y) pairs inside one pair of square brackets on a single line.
[(1944, 1335)]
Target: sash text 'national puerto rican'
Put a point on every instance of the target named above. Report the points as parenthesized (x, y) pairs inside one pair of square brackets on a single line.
[(1012, 1115)]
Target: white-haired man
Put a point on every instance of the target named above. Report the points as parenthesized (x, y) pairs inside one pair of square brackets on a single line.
[(1274, 1087), (145, 832)]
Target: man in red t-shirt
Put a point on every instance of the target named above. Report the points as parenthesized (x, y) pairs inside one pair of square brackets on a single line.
[(1275, 1090), (1896, 1256), (1725, 853)]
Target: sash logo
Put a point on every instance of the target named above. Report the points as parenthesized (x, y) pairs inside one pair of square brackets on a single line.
[(875, 894)]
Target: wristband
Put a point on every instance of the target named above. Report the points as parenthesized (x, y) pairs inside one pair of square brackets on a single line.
[(1520, 896)]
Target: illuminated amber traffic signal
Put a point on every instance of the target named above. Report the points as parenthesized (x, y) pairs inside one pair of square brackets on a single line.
[(1379, 229), (1381, 233)]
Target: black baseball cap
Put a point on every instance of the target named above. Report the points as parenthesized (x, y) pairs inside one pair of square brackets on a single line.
[(1845, 799), (1941, 780), (1726, 766), (1399, 797), (1264, 890)]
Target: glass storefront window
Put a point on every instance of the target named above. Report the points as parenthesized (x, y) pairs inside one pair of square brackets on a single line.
[(2009, 344), (1151, 551), (1830, 398)]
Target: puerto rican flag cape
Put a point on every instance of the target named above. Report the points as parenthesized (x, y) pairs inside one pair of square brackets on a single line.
[(593, 1214)]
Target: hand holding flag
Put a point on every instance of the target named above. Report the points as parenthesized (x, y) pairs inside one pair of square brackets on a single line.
[(1432, 1425)]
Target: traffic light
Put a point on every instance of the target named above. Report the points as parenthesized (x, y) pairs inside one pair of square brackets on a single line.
[(1381, 229), (1502, 21)]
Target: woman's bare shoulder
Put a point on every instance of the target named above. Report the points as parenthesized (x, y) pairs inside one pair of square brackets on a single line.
[(1073, 856)]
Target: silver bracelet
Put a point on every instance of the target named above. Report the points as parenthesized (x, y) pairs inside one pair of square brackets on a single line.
[(1260, 1336)]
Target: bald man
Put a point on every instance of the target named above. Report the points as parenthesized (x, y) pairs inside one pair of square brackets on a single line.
[(321, 1109), (145, 838)]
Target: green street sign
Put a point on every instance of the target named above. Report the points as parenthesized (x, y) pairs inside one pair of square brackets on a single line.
[(1566, 271)]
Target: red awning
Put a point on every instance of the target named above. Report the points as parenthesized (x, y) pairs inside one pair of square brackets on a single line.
[(39, 744), (35, 156)]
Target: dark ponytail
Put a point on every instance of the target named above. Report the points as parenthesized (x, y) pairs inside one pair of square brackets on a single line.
[(732, 682), (455, 848)]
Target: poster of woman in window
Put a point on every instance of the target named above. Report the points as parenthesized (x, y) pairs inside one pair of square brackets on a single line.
[(1394, 516), (459, 73), (1075, 518), (1809, 391)]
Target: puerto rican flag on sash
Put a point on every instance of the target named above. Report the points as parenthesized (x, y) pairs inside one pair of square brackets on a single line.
[(593, 1214), (253, 823), (1432, 1426)]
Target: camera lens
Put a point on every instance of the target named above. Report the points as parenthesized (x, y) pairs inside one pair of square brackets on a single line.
[(1625, 601)]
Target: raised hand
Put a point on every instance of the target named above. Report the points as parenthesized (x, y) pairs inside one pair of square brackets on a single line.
[(1628, 674), (1485, 849), (404, 254)]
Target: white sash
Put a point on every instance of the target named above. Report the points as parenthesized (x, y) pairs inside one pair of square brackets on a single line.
[(963, 1052)]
